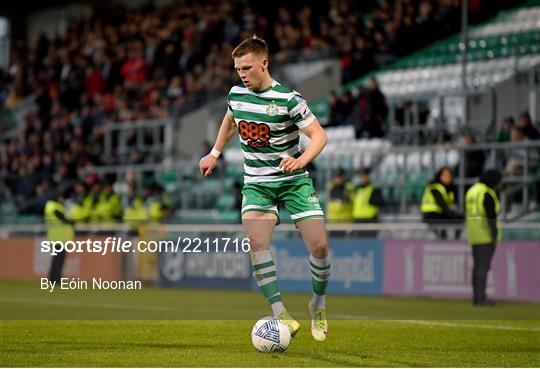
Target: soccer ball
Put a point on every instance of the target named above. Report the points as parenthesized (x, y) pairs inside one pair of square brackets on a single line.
[(270, 334)]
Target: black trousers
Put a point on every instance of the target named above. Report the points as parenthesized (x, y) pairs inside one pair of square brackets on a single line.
[(482, 256), (56, 266), (438, 221)]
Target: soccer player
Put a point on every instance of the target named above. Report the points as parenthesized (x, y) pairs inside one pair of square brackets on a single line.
[(268, 118)]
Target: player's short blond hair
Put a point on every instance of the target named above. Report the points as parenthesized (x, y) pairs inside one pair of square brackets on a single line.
[(253, 45)]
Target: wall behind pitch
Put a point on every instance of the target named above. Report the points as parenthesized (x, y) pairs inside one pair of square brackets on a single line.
[(356, 266), (21, 258), (205, 270), (444, 269)]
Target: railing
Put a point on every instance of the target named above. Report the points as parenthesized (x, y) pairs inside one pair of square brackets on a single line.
[(414, 131), (409, 160), (390, 230), (159, 131)]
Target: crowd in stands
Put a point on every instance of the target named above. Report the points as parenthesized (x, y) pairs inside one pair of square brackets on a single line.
[(520, 160), (123, 64), (365, 110)]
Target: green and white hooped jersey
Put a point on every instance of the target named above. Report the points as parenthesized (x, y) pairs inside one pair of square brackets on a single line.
[(269, 125)]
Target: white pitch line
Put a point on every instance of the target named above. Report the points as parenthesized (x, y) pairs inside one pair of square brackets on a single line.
[(463, 325), (338, 316), (441, 324)]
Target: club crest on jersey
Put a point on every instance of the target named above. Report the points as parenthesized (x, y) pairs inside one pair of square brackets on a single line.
[(272, 109)]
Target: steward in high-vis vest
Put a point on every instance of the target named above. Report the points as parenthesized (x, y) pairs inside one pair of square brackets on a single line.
[(90, 202), (158, 204), (438, 200), (339, 205), (367, 202), (78, 213), (483, 230), (59, 228), (136, 214), (109, 205)]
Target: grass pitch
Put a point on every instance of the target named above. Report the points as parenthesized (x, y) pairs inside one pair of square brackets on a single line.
[(165, 327)]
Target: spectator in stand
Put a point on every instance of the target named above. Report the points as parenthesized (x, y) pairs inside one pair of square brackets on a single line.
[(340, 111), (503, 132), (525, 124), (379, 109), (370, 112), (334, 112), (474, 159), (516, 161)]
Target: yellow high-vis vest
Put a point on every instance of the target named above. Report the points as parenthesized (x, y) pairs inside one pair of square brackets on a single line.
[(108, 208), (56, 229), (362, 209), (136, 215), (429, 205), (478, 231), (340, 211)]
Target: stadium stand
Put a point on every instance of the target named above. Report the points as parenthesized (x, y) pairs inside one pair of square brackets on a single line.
[(426, 102), (64, 100), (107, 107)]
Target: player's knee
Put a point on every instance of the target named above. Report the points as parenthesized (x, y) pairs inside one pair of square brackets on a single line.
[(257, 245), (319, 249)]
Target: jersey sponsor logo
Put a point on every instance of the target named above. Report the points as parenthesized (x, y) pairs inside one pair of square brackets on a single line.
[(257, 134)]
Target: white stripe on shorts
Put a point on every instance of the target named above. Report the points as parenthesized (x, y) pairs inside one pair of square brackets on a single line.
[(260, 207), (306, 214)]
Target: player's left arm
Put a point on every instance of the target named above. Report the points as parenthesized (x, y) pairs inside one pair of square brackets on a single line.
[(318, 140)]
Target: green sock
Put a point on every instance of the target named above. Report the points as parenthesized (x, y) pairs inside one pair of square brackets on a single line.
[(320, 273), (265, 276)]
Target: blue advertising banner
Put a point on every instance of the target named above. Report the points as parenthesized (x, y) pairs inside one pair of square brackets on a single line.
[(205, 270), (356, 266)]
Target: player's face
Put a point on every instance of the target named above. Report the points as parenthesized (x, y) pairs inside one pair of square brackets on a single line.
[(251, 68)]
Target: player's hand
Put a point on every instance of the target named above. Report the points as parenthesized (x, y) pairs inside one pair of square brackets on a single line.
[(207, 165), (291, 164)]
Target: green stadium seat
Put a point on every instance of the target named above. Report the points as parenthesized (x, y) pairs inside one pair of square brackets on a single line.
[(229, 216), (225, 201)]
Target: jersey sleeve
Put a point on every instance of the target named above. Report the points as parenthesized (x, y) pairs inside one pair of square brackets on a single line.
[(229, 107), (299, 111)]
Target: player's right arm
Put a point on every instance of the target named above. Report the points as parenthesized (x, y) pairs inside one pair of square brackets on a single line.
[(225, 134)]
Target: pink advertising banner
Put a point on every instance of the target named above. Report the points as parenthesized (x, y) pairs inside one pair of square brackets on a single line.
[(444, 268)]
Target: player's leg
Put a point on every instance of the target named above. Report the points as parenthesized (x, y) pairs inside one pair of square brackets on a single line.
[(259, 217), (302, 203), (315, 237), (259, 227)]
